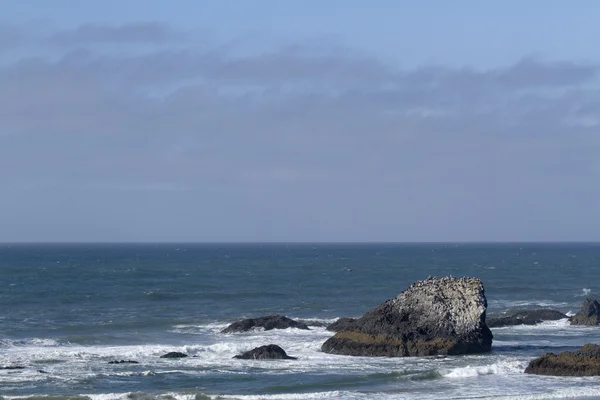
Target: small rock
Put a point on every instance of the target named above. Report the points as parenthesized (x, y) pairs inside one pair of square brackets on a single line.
[(268, 323), (268, 352), (128, 361), (174, 354), (13, 367)]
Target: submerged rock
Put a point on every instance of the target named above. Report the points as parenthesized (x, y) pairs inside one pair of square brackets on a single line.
[(438, 316), (342, 324), (174, 354), (268, 352), (268, 323), (583, 362), (589, 314), (525, 317)]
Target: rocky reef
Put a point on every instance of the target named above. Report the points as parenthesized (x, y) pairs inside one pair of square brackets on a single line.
[(583, 362), (525, 317), (589, 314), (267, 323), (438, 316)]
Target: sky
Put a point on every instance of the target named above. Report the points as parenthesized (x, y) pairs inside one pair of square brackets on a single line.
[(299, 121)]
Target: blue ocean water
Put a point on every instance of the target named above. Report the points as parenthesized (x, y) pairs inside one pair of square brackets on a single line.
[(67, 310)]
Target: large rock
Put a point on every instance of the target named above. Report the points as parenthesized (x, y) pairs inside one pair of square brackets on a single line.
[(589, 314), (268, 352), (525, 317), (268, 323), (438, 316), (583, 362)]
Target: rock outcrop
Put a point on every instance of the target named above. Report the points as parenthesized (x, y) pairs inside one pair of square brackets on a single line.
[(583, 362), (438, 316), (589, 314), (268, 323), (342, 324), (268, 352), (174, 354), (525, 317)]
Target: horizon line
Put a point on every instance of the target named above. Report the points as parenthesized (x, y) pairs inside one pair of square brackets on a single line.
[(292, 242)]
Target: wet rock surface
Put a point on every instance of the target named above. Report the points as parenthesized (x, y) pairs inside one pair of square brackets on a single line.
[(589, 314), (583, 362), (125, 361), (438, 316), (267, 323), (174, 354), (268, 352), (342, 324)]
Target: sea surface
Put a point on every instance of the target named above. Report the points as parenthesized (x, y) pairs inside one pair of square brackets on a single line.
[(66, 311)]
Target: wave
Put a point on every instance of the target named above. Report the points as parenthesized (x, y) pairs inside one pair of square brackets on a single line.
[(572, 392), (585, 292), (37, 342), (499, 368), (516, 304)]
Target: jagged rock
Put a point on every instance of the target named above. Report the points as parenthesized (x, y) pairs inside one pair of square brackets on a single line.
[(589, 314), (525, 317), (268, 323), (583, 362), (130, 361), (268, 352), (342, 324), (174, 354), (438, 316)]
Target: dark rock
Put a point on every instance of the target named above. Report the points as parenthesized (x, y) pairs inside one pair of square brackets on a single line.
[(439, 316), (13, 367), (174, 354), (133, 362), (583, 362), (342, 324), (268, 323), (41, 371), (525, 317), (269, 352), (589, 314)]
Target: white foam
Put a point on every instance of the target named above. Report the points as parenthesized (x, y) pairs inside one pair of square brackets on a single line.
[(584, 292), (563, 393), (38, 342), (504, 304), (499, 368), (292, 396)]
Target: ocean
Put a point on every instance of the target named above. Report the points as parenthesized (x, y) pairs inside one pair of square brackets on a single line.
[(66, 311)]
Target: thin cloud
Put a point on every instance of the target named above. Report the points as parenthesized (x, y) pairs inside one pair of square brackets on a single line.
[(306, 138), (140, 32)]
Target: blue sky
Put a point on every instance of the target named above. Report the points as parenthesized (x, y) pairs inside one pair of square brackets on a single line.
[(299, 121)]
